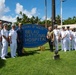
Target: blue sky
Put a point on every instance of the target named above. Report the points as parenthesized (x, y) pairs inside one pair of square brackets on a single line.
[(9, 9)]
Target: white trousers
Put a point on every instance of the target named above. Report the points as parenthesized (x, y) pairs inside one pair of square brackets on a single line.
[(75, 43), (13, 47), (56, 44), (72, 43), (64, 44), (4, 50), (68, 43), (0, 48)]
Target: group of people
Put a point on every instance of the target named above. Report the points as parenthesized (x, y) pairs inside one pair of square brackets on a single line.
[(65, 37), (12, 37)]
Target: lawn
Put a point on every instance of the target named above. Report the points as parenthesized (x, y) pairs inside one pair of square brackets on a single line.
[(36, 62)]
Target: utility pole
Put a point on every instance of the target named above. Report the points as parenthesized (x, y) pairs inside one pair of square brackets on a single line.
[(45, 13), (61, 11), (61, 1), (53, 13)]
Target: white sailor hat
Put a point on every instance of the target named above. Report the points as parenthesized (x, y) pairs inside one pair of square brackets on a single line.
[(55, 25), (5, 24), (13, 25)]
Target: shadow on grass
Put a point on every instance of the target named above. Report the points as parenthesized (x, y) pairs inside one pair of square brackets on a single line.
[(2, 63), (26, 53), (31, 53)]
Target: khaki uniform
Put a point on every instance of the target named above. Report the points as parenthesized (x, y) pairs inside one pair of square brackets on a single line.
[(50, 38), (50, 35)]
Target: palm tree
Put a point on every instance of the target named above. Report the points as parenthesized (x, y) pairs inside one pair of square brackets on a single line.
[(58, 19), (24, 18)]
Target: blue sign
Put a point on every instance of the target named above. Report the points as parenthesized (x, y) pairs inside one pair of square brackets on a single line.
[(34, 35)]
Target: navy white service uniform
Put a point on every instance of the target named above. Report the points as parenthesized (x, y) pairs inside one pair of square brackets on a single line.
[(4, 50), (63, 40), (74, 39), (56, 38), (13, 42), (68, 39)]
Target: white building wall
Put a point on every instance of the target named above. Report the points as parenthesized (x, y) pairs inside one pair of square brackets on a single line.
[(71, 26)]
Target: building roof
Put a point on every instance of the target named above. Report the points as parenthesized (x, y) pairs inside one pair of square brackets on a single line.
[(70, 25), (6, 22)]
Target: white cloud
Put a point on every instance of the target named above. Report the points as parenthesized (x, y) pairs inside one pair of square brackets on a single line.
[(43, 18), (31, 13), (18, 8), (3, 8), (9, 18)]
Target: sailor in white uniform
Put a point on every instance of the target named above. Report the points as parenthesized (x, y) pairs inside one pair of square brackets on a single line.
[(68, 38), (4, 34), (56, 37), (74, 38), (63, 39), (13, 41)]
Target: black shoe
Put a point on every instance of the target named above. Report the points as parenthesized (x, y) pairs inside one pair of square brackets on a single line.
[(6, 56)]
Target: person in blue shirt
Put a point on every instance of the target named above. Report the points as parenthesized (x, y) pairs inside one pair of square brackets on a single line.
[(19, 39)]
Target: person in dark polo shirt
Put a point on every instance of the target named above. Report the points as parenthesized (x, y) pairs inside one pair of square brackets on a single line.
[(19, 39), (50, 37)]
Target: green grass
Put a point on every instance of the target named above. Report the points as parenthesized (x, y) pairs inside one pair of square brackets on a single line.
[(40, 63)]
